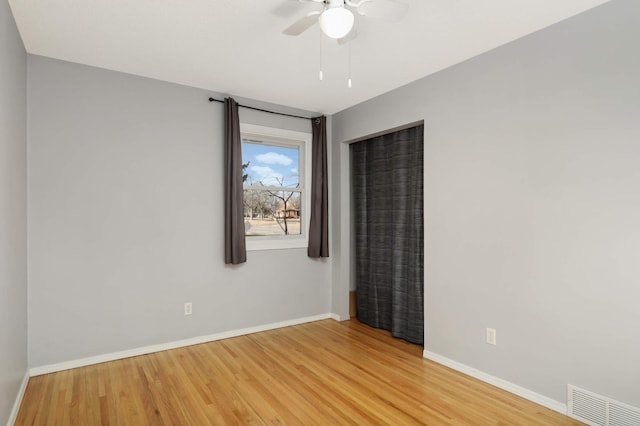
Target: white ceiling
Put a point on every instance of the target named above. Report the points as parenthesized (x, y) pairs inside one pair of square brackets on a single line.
[(237, 47)]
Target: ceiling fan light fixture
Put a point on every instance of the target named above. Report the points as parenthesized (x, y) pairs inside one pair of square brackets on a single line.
[(336, 22)]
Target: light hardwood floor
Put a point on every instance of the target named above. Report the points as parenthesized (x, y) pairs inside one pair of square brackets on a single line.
[(318, 373)]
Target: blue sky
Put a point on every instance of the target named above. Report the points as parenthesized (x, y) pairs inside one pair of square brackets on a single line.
[(267, 163)]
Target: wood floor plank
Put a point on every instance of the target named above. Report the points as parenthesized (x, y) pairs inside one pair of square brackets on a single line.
[(320, 373)]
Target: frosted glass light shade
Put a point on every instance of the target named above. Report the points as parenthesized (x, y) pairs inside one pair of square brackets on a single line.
[(336, 22)]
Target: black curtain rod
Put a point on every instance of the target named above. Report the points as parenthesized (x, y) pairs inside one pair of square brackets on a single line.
[(264, 110)]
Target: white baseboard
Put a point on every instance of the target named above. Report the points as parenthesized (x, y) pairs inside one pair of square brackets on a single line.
[(336, 317), (52, 368), (16, 405), (552, 404)]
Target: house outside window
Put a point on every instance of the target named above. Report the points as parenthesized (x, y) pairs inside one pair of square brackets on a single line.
[(276, 165)]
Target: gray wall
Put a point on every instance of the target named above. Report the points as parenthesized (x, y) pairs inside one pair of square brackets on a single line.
[(532, 194), (13, 212), (126, 193)]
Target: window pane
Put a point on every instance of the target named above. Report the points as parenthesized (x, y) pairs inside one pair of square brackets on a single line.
[(270, 165), (271, 212)]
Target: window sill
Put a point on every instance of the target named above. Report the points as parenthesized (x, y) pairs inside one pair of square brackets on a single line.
[(276, 243)]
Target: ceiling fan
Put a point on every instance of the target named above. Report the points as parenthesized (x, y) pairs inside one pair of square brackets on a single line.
[(336, 18)]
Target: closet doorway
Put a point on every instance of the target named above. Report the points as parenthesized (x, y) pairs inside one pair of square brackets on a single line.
[(388, 224)]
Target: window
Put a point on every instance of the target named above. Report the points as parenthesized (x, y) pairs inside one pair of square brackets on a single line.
[(276, 167)]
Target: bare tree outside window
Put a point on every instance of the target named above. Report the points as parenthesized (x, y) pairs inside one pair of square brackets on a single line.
[(286, 213)]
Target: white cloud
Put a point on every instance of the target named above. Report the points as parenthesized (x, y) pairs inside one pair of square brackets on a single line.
[(265, 174), (274, 158), (263, 171), (294, 171)]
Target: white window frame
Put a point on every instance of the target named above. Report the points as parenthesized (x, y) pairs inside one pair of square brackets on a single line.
[(283, 137)]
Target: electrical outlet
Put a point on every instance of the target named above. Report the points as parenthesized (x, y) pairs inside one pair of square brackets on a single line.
[(188, 308), (492, 336)]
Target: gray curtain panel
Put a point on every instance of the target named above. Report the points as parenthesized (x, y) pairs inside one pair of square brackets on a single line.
[(234, 243), (387, 186), (319, 219)]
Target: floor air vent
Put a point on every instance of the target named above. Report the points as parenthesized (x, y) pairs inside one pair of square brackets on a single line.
[(597, 410)]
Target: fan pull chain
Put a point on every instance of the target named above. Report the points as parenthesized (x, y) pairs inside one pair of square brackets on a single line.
[(349, 76), (320, 74)]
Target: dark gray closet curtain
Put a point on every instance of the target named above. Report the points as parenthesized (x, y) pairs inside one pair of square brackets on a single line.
[(319, 219), (389, 244), (234, 243)]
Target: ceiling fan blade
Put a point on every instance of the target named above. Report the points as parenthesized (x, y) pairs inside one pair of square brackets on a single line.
[(302, 24), (349, 37), (388, 10)]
